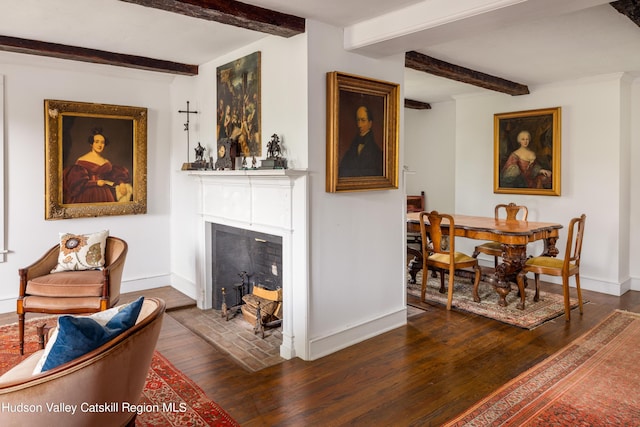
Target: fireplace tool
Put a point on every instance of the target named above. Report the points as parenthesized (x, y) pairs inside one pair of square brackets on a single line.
[(241, 289)]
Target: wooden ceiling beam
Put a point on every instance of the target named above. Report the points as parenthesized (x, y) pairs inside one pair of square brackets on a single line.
[(420, 62), (35, 47), (416, 105), (229, 12), (234, 13), (629, 8)]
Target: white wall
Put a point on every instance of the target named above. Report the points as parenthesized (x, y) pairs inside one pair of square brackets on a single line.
[(357, 274), (624, 176), (29, 80), (634, 207), (2, 174), (596, 143), (430, 140)]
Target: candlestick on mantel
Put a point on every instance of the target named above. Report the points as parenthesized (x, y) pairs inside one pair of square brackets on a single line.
[(187, 166)]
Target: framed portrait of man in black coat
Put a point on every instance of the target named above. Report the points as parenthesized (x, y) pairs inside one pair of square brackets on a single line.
[(362, 133)]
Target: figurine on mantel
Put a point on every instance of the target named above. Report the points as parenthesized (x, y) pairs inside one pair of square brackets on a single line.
[(200, 163), (199, 152), (273, 147), (274, 151)]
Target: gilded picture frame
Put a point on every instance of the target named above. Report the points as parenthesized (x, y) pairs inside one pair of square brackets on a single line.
[(95, 160), (527, 151), (362, 133)]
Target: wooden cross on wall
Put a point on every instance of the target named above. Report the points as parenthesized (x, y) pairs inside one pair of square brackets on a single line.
[(186, 125)]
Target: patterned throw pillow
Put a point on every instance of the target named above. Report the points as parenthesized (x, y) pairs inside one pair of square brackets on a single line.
[(81, 251)]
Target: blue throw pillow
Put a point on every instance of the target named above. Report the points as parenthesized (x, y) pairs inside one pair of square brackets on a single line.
[(80, 335)]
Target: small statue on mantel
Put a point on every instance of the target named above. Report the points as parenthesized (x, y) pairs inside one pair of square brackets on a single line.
[(199, 152), (274, 151), (273, 147), (200, 162), (253, 162)]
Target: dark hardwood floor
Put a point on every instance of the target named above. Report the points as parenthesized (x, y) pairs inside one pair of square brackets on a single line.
[(421, 374)]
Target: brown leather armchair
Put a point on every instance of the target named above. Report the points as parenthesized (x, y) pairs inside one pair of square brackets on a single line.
[(70, 292), (114, 372)]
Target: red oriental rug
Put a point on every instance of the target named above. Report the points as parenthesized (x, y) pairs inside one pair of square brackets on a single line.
[(186, 402), (591, 382)]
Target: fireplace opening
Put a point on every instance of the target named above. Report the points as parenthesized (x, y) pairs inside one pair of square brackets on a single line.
[(242, 256)]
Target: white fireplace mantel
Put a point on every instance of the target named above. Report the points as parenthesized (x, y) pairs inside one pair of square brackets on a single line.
[(273, 201), (250, 173)]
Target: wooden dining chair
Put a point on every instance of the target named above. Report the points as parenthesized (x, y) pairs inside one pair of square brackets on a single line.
[(442, 255), (494, 249), (565, 268), (416, 203)]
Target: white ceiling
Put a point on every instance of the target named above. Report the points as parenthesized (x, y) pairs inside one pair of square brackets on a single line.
[(525, 41)]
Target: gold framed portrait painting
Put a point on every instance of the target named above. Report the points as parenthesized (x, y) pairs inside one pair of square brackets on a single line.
[(362, 133), (95, 159), (527, 152)]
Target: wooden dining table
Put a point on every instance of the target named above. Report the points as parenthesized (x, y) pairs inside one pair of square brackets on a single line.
[(514, 235)]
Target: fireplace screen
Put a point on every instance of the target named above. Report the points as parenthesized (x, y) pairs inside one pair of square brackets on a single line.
[(241, 259)]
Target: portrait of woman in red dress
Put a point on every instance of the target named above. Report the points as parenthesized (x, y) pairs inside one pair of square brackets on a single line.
[(522, 168), (527, 152), (93, 178)]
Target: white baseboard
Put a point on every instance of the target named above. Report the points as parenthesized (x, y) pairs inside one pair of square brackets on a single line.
[(185, 286), (319, 347), (137, 285), (8, 305), (179, 283)]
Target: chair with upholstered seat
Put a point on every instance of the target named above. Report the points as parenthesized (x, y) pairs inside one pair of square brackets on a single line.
[(415, 203), (70, 292), (494, 249), (442, 255), (565, 268)]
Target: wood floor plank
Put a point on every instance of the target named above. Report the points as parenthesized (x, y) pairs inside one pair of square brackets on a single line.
[(421, 374)]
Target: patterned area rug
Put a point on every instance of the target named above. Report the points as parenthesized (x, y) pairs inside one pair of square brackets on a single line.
[(186, 403), (165, 383), (548, 307), (591, 382)]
